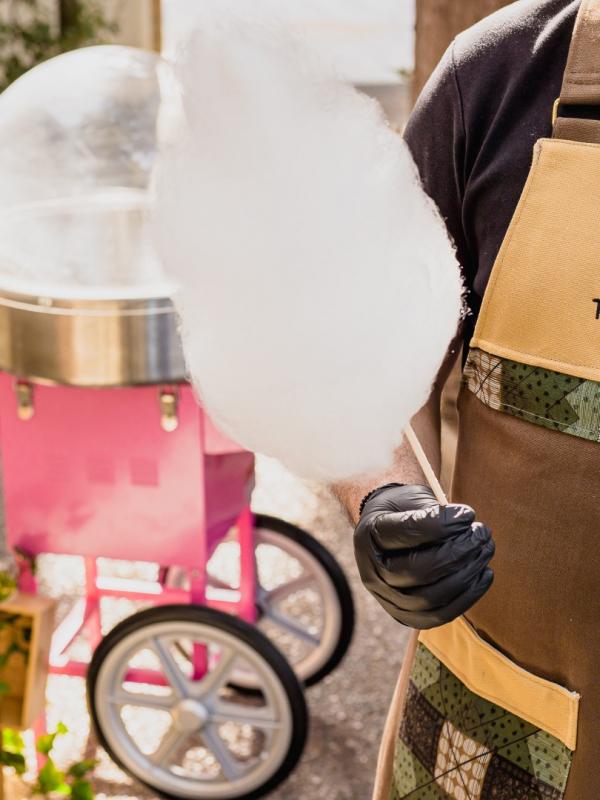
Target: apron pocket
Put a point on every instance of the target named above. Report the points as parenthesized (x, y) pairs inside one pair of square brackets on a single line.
[(478, 726)]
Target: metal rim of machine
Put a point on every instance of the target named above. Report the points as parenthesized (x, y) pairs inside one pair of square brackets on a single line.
[(199, 710)]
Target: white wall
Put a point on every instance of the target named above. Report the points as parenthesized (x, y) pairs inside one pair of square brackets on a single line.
[(368, 40)]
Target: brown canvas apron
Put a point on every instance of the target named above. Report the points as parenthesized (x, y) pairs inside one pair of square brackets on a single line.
[(505, 703)]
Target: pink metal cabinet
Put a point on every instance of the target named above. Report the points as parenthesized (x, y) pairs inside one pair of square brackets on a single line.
[(92, 472)]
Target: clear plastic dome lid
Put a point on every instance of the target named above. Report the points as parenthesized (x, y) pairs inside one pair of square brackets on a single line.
[(78, 138)]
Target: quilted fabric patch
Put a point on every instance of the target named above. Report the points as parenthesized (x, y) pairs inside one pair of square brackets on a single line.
[(455, 745), (551, 399)]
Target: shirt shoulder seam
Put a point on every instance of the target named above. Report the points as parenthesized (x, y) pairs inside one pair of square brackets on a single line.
[(458, 88)]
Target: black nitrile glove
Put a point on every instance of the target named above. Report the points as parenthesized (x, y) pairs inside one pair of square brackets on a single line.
[(426, 564)]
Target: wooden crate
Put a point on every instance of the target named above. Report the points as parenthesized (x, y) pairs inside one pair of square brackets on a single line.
[(26, 626)]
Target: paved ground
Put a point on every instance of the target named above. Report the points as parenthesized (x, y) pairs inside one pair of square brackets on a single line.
[(347, 709)]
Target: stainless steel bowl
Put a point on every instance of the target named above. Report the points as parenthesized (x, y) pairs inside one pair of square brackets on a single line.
[(90, 342), (78, 141)]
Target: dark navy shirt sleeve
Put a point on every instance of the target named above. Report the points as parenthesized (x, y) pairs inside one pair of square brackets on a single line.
[(473, 129), (435, 134)]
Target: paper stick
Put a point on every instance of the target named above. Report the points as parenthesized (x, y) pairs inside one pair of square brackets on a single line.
[(432, 479)]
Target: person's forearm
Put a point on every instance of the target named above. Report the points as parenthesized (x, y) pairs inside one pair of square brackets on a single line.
[(405, 468), (425, 561)]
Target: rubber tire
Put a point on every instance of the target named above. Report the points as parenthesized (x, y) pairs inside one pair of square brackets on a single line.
[(241, 630), (340, 584)]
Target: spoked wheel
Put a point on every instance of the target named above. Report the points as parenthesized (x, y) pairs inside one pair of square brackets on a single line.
[(303, 599), (306, 607), (161, 701)]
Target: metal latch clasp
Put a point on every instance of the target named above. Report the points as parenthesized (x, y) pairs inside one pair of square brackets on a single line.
[(168, 401), (24, 393)]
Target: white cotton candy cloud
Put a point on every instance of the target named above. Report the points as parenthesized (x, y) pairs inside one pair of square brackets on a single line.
[(318, 288)]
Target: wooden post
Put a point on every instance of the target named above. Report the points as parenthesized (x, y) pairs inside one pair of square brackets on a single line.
[(157, 24), (138, 21), (438, 22), (26, 633)]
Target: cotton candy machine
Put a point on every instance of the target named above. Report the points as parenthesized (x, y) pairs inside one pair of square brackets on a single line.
[(107, 455), (83, 300)]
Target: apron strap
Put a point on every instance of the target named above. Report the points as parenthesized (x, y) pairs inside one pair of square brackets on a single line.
[(580, 93)]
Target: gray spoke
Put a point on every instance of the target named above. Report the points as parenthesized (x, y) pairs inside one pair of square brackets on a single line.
[(277, 594), (173, 674), (292, 627), (172, 739), (230, 769), (214, 680), (244, 715), (124, 698)]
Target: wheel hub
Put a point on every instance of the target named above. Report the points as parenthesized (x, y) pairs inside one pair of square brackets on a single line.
[(190, 716)]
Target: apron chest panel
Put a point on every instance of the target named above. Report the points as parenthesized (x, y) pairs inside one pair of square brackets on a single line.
[(541, 305)]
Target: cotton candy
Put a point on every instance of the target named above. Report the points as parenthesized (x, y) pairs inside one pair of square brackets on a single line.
[(318, 288)]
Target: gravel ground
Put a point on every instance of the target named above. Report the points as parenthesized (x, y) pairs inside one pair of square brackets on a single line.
[(347, 709)]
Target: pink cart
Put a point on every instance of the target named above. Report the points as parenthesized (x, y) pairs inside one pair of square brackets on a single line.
[(139, 473), (106, 454)]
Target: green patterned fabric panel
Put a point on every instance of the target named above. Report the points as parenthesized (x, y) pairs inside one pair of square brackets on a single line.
[(454, 744), (551, 399)]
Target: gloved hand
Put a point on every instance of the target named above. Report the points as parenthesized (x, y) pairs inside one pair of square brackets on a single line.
[(424, 563)]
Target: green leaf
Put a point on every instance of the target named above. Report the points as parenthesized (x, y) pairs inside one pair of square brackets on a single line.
[(51, 779), (82, 790), (12, 740), (4, 688), (14, 760), (8, 585), (81, 768), (45, 743)]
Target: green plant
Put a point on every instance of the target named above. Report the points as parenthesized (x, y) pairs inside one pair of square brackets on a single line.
[(12, 750), (8, 585), (15, 637), (50, 779), (29, 34)]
